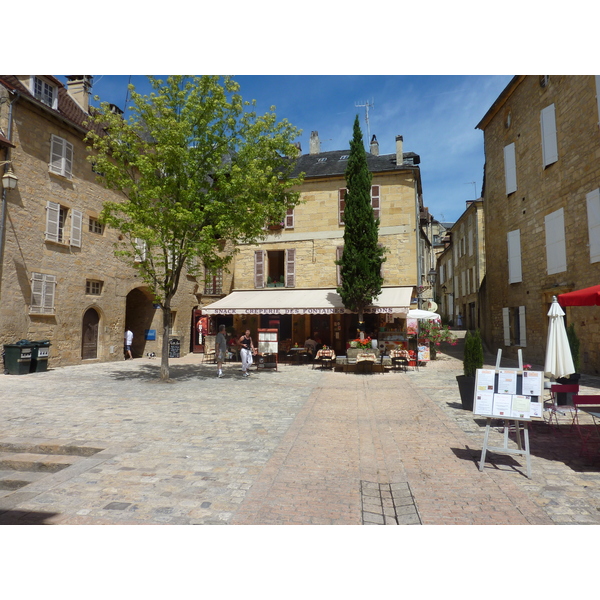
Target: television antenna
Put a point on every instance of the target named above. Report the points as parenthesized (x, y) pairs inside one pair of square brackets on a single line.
[(474, 184), (366, 106)]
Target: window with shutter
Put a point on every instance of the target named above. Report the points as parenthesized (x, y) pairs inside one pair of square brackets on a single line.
[(522, 327), (375, 201), (140, 250), (549, 142), (42, 293), (593, 214), (290, 267), (341, 205), (289, 219), (61, 157), (76, 228), (514, 256), (213, 281), (556, 251), (510, 169), (259, 269)]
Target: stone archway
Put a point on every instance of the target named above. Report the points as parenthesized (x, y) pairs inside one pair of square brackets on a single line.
[(139, 313), (89, 334)]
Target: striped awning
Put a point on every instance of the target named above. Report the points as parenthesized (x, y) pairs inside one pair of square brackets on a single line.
[(304, 302)]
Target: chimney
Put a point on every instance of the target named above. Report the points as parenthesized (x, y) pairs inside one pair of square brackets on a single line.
[(79, 88), (315, 145), (374, 146), (399, 155)]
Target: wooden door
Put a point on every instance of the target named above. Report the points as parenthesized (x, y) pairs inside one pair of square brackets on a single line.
[(89, 334)]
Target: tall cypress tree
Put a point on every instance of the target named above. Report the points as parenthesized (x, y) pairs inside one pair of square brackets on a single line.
[(360, 264)]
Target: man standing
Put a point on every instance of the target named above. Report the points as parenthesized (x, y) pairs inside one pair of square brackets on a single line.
[(128, 343), (220, 349)]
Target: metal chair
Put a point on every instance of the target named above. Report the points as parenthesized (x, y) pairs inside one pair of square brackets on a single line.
[(556, 409)]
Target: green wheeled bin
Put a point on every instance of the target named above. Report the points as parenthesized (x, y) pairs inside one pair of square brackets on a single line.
[(39, 356), (17, 357)]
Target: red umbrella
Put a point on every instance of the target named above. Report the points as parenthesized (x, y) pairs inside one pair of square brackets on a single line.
[(587, 297)]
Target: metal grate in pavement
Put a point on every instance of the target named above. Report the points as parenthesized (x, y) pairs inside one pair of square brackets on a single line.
[(388, 504)]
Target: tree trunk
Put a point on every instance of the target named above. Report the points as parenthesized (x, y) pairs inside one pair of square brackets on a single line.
[(164, 359)]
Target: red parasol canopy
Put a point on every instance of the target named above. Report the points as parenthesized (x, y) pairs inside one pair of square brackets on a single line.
[(587, 297)]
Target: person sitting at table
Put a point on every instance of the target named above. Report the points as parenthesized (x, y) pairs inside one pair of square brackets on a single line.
[(311, 346)]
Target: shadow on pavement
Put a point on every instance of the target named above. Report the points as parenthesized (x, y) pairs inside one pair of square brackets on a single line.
[(21, 517)]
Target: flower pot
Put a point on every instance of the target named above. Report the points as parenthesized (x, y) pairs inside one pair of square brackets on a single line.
[(466, 387)]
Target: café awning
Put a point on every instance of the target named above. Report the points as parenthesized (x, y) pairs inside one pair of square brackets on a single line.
[(392, 300)]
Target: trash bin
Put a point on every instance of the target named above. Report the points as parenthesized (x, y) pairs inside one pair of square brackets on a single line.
[(17, 357), (39, 356)]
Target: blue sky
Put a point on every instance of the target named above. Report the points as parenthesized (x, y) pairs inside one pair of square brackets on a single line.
[(436, 115)]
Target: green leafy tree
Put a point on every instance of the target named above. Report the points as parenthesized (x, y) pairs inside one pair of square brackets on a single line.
[(195, 167), (360, 263)]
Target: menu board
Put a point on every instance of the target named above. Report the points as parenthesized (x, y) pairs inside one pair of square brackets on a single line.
[(508, 394)]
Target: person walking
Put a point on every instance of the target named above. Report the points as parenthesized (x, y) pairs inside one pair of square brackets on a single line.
[(246, 352), (220, 349), (128, 343)]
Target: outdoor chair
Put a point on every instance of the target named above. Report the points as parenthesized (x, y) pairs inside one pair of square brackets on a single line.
[(589, 401), (554, 409)]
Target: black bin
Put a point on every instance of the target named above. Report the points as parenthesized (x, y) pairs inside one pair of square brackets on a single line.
[(17, 357), (39, 356)]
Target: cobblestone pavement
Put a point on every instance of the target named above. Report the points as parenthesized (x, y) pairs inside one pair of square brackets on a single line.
[(107, 444)]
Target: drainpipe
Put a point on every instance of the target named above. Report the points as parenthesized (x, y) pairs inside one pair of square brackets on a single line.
[(4, 191)]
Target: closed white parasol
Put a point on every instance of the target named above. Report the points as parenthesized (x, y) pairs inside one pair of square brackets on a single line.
[(559, 361)]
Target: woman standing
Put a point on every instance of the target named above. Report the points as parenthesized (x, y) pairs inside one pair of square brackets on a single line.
[(246, 352)]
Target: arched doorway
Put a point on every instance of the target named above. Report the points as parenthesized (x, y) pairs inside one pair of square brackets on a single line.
[(139, 313), (89, 334)]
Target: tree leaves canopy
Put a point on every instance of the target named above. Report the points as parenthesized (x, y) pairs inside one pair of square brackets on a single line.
[(360, 264)]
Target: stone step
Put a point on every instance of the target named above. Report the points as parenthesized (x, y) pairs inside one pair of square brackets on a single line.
[(42, 463), (50, 448), (12, 480)]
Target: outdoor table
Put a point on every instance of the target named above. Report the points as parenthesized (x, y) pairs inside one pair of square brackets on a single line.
[(326, 357), (399, 359), (296, 353)]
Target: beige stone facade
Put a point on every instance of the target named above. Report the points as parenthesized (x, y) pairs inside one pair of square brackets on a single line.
[(302, 253), (461, 269), (60, 280), (542, 205)]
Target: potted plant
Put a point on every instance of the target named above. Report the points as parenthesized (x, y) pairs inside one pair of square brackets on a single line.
[(472, 360), (270, 282), (435, 334), (574, 345)]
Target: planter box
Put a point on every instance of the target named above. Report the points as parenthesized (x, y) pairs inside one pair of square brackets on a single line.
[(354, 352), (466, 387)]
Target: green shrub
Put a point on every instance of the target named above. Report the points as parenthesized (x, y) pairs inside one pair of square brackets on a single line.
[(473, 357)]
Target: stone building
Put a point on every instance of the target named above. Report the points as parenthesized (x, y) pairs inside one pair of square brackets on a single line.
[(60, 280), (289, 280), (542, 211), (461, 268)]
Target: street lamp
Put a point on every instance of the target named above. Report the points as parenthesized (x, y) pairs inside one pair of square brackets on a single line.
[(9, 180)]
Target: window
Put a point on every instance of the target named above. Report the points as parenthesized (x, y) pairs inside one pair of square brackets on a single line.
[(344, 157), (43, 288), (93, 287), (289, 219), (45, 92), (61, 157), (322, 160), (513, 320), (510, 169), (213, 282), (94, 226), (375, 200), (514, 256), (341, 205), (57, 221), (275, 268), (549, 143), (593, 214), (556, 251)]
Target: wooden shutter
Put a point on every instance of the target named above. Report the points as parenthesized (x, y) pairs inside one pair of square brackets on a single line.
[(341, 205), (375, 200), (37, 293), (52, 220), (68, 160), (49, 286), (549, 143), (290, 267), (506, 325), (76, 227), (289, 219), (510, 169), (556, 251), (522, 327), (338, 256), (514, 256), (593, 214), (259, 269), (57, 151)]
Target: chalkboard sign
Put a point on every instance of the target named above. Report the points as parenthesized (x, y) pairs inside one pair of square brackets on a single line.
[(174, 348)]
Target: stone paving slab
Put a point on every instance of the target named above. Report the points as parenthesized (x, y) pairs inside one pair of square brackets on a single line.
[(290, 446)]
